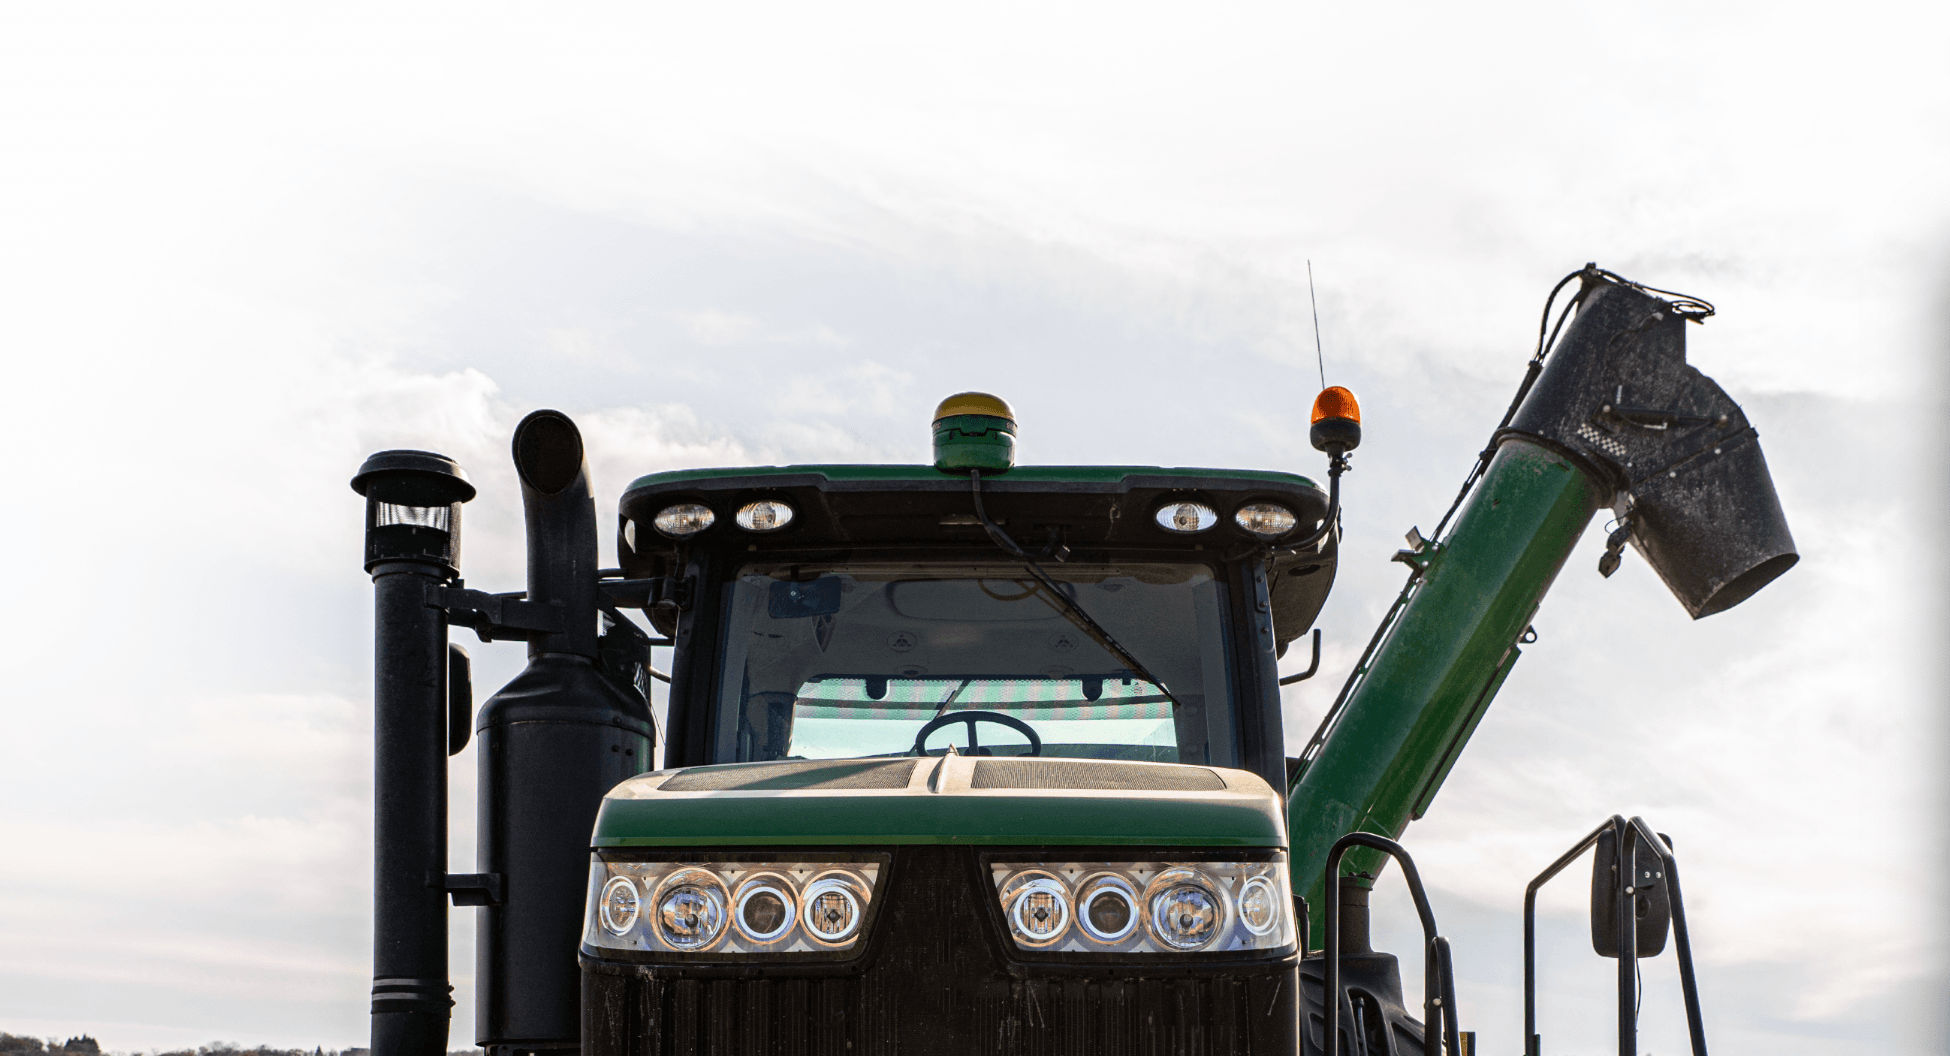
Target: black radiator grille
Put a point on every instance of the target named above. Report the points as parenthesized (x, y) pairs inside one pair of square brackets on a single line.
[(846, 1016), (934, 982)]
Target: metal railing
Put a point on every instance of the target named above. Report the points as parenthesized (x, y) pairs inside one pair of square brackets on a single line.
[(1438, 972)]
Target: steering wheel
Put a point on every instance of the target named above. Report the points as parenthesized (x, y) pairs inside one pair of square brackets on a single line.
[(971, 718)]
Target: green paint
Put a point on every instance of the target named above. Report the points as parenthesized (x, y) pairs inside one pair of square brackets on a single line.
[(1454, 751), (1083, 476), (974, 441), (1408, 718), (748, 819)]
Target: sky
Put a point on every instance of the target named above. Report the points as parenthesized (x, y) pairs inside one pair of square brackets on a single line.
[(243, 246)]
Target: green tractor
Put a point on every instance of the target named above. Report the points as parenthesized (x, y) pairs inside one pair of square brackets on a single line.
[(974, 757)]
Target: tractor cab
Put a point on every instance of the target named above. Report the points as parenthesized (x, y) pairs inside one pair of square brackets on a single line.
[(1057, 612)]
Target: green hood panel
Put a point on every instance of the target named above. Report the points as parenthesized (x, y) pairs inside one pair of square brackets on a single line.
[(952, 799)]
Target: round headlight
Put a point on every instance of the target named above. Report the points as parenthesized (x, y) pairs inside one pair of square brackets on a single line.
[(1107, 908), (763, 909), (1259, 905), (833, 908), (619, 906), (691, 909), (1265, 519), (1038, 906), (765, 515), (1186, 908), (1186, 517), (684, 519)]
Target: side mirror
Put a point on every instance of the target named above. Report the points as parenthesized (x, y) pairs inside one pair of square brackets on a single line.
[(1650, 893)]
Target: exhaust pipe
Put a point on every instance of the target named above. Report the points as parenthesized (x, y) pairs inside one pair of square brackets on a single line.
[(413, 501), (1690, 488), (552, 742)]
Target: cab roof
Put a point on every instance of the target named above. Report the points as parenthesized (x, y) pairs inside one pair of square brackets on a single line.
[(1096, 512), (849, 505), (1075, 475)]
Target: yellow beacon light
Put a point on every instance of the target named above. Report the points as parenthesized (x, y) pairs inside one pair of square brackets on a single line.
[(1336, 421), (974, 430)]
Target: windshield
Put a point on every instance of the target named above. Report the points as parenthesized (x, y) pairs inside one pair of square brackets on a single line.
[(826, 661)]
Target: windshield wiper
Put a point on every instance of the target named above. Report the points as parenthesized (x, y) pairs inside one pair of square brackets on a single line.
[(943, 709), (1073, 610)]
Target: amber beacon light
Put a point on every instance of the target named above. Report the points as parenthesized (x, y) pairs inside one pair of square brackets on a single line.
[(1336, 421)]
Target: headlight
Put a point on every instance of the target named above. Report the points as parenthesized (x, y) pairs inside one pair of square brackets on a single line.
[(1155, 907), (836, 904), (1185, 907), (1260, 905), (719, 908), (684, 519), (1265, 519), (619, 906), (1107, 908), (1038, 906), (691, 910), (765, 907)]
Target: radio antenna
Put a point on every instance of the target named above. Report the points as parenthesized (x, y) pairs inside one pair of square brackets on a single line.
[(1319, 356)]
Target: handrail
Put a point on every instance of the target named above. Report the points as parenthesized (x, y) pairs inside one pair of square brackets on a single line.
[(1628, 834), (1438, 973)]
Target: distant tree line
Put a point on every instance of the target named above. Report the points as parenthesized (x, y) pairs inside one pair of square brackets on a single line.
[(14, 1045)]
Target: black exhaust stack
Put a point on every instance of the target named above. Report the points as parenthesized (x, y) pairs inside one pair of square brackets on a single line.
[(413, 501), (552, 742), (1692, 490)]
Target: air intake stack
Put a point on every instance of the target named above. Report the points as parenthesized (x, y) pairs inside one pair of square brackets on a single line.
[(413, 501)]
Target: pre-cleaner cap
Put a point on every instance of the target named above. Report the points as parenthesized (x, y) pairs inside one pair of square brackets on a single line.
[(974, 430)]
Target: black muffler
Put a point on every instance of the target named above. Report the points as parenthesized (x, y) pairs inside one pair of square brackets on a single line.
[(552, 742), (1692, 492)]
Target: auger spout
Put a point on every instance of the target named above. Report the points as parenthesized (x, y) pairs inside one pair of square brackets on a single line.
[(1616, 418)]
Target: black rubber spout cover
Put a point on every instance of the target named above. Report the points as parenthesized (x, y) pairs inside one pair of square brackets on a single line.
[(549, 744), (1683, 463)]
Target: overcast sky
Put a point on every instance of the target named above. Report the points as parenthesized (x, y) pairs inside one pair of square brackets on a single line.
[(242, 247)]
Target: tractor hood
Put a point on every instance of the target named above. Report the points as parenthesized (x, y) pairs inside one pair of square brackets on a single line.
[(948, 799)]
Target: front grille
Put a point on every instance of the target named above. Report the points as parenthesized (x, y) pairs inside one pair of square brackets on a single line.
[(1122, 777), (935, 981)]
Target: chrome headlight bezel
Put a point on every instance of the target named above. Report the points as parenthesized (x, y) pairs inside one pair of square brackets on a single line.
[(736, 878), (1137, 880)]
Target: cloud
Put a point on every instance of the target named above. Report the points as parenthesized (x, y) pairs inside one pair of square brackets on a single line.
[(720, 328)]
